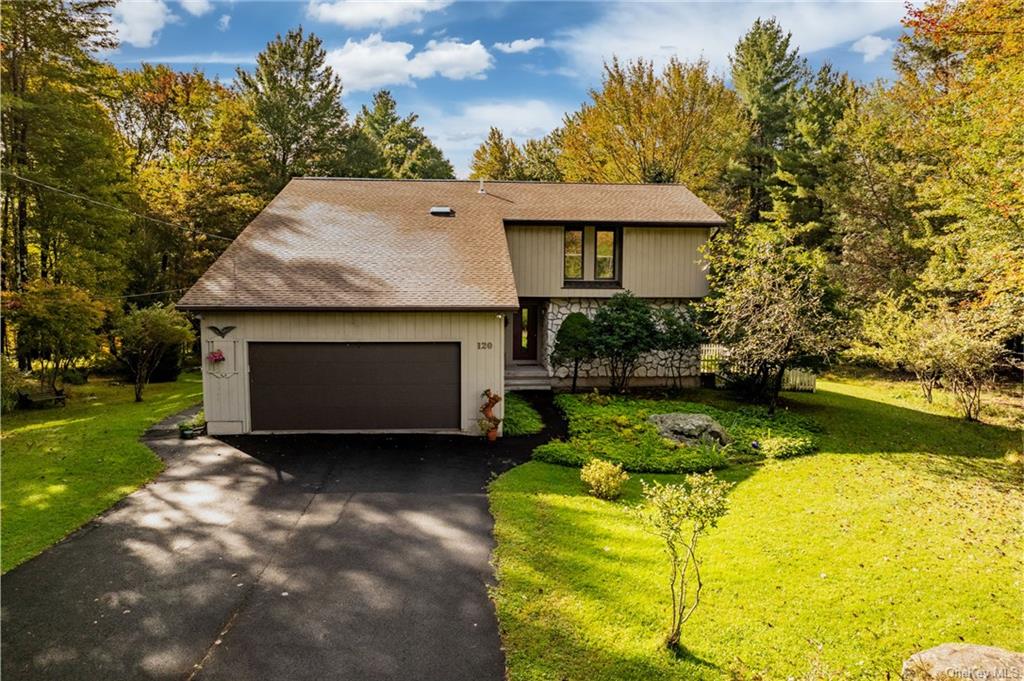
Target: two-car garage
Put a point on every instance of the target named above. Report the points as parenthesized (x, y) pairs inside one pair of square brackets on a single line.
[(354, 386), (288, 371)]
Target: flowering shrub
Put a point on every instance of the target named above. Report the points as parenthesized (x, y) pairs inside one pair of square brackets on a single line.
[(215, 356), (603, 478)]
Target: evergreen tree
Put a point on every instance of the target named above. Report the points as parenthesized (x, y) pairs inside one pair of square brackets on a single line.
[(807, 161), (766, 73), (296, 100), (403, 147)]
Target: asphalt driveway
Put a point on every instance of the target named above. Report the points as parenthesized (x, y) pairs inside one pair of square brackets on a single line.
[(286, 557)]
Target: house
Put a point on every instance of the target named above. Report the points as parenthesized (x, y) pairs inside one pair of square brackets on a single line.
[(391, 305)]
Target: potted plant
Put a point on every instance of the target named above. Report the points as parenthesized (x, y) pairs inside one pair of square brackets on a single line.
[(489, 423), (215, 357), (193, 428)]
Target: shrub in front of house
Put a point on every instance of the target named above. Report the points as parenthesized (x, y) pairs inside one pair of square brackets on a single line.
[(603, 479), (617, 429)]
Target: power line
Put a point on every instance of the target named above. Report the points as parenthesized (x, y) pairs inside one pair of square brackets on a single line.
[(113, 207), (154, 293)]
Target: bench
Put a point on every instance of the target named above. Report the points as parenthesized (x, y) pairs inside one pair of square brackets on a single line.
[(40, 400)]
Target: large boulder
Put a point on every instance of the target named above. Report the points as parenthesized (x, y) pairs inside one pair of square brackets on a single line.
[(954, 661), (690, 428)]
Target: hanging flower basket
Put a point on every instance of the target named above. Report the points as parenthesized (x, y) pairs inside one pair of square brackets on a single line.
[(215, 357)]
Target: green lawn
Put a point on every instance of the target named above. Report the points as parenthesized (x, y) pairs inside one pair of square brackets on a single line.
[(903, 532), (61, 467), (520, 417)]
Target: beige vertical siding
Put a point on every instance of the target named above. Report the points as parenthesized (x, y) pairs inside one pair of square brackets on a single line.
[(657, 262), (536, 260), (664, 262), (226, 385)]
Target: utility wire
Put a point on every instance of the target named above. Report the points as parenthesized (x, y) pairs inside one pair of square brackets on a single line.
[(117, 208)]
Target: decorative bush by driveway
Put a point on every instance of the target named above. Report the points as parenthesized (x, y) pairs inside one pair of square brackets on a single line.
[(619, 429)]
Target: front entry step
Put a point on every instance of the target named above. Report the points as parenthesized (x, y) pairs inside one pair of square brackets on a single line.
[(526, 377)]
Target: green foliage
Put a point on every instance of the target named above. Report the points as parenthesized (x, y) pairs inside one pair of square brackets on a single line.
[(574, 344), (145, 334), (296, 101), (616, 429), (62, 467), (57, 324), (403, 147), (680, 514), (765, 73), (776, 307), (197, 421), (520, 417), (830, 531), (11, 381), (497, 158), (623, 329), (603, 479), (679, 338)]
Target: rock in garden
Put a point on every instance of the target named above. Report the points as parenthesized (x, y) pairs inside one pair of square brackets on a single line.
[(690, 428), (963, 661)]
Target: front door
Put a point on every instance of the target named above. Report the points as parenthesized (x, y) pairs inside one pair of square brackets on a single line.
[(524, 332)]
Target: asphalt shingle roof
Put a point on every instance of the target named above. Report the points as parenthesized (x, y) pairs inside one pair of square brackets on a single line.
[(326, 243)]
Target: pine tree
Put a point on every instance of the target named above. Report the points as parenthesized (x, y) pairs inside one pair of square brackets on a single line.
[(403, 147), (766, 73), (296, 99)]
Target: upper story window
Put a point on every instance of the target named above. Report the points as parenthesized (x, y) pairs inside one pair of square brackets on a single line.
[(606, 254), (573, 254)]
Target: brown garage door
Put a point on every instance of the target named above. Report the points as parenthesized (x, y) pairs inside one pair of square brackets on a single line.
[(354, 386)]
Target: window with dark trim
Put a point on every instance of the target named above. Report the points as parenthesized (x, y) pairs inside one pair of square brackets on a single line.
[(606, 254), (572, 262)]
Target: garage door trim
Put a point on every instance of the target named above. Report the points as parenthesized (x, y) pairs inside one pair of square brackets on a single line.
[(247, 383)]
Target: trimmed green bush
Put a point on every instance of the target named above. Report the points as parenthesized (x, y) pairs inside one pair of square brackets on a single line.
[(616, 429), (603, 479)]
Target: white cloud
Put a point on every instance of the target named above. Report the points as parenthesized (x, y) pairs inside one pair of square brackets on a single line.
[(224, 23), (872, 47), (365, 14), (458, 133), (520, 45), (138, 22), (375, 62), (694, 29), (196, 8)]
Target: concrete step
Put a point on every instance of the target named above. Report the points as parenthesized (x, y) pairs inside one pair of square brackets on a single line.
[(527, 385)]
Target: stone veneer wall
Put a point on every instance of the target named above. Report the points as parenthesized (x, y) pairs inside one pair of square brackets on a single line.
[(653, 368)]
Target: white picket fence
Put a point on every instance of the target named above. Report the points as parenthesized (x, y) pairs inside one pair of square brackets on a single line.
[(797, 380)]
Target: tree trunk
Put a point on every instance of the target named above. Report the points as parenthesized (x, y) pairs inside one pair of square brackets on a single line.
[(776, 388), (575, 374)]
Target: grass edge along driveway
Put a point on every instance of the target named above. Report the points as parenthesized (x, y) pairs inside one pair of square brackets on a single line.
[(61, 467), (902, 533)]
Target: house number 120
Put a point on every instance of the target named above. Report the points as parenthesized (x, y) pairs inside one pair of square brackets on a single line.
[(484, 345)]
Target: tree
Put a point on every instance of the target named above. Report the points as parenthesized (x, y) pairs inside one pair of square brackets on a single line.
[(498, 158), (680, 125), (680, 514), (52, 127), (540, 158), (296, 100), (405, 150), (765, 73), (623, 330), (967, 355), (144, 335), (573, 344), (774, 307), (808, 160), (57, 324), (679, 339)]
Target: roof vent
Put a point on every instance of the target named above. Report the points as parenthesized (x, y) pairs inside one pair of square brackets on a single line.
[(442, 211)]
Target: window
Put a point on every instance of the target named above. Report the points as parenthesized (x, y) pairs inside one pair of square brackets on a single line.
[(605, 255), (573, 258)]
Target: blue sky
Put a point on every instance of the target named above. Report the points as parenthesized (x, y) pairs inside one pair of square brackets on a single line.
[(463, 66)]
